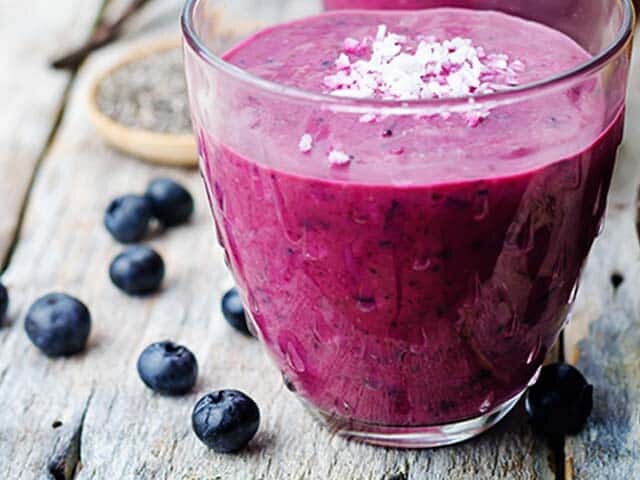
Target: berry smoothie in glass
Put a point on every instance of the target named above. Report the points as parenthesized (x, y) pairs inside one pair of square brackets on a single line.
[(406, 199)]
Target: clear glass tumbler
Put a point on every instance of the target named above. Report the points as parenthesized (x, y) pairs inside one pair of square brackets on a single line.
[(406, 311)]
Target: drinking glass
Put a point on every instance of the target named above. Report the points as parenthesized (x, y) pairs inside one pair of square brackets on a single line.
[(405, 311)]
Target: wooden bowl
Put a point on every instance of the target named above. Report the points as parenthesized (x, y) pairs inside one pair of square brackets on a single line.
[(162, 148)]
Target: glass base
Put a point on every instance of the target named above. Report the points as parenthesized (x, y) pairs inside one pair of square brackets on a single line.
[(414, 437)]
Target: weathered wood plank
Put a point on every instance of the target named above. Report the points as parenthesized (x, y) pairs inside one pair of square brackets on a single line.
[(31, 94), (603, 338), (126, 432)]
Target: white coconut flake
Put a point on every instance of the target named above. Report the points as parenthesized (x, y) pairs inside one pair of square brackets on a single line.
[(338, 158), (343, 62), (351, 45), (306, 143), (451, 68)]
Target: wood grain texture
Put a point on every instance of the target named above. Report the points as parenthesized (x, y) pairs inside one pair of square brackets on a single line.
[(31, 94), (603, 338)]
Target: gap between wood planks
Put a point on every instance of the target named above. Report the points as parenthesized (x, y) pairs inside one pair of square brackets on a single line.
[(6, 260), (63, 463)]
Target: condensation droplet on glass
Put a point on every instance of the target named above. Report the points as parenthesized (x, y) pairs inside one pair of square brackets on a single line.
[(596, 204), (289, 224), (366, 304), (346, 406), (421, 263), (418, 347), (294, 359), (486, 404), (521, 236), (359, 217), (374, 357), (322, 332), (373, 384), (481, 205), (312, 249)]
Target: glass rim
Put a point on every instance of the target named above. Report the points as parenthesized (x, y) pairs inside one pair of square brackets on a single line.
[(193, 40)]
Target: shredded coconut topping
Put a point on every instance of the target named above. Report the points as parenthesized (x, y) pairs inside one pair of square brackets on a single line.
[(306, 143), (401, 70), (433, 69), (336, 157)]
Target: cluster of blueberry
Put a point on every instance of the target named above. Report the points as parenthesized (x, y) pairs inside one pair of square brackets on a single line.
[(139, 270), (59, 324), (224, 420)]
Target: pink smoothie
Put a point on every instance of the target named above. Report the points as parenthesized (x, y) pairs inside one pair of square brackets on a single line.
[(423, 281)]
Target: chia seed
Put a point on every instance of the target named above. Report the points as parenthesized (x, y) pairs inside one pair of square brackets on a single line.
[(149, 94)]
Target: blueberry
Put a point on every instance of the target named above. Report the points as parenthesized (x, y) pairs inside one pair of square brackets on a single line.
[(233, 311), (138, 270), (4, 301), (225, 420), (560, 402), (168, 368), (172, 203), (58, 324), (127, 218)]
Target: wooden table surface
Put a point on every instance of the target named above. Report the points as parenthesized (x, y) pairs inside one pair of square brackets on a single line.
[(90, 417)]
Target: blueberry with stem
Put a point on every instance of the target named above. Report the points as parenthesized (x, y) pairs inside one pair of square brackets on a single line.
[(225, 420)]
